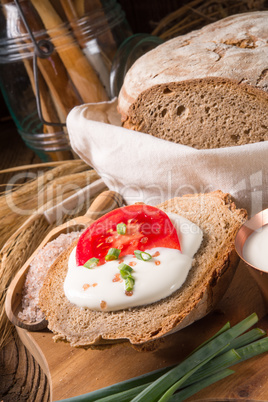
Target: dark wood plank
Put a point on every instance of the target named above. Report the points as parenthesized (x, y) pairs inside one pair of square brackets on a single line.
[(21, 378)]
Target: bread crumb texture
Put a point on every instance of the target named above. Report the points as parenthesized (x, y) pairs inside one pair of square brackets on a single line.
[(207, 113), (205, 89), (212, 270)]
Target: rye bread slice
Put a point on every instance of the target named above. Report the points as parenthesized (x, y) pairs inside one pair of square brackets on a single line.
[(202, 113), (212, 271)]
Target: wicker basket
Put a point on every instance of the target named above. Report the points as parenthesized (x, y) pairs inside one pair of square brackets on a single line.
[(198, 13), (21, 233)]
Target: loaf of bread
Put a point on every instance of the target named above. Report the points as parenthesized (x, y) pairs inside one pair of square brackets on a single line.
[(205, 89), (211, 273)]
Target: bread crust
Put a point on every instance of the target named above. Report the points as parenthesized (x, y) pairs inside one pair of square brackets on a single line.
[(143, 326), (235, 48), (205, 89)]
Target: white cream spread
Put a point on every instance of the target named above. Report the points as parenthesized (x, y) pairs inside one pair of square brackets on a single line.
[(255, 250), (102, 287)]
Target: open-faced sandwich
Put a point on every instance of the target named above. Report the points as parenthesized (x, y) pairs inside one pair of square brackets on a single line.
[(141, 272)]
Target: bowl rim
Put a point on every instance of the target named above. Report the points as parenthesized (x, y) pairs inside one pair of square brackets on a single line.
[(250, 226)]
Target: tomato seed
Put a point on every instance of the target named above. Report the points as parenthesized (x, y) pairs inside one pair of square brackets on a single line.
[(144, 240)]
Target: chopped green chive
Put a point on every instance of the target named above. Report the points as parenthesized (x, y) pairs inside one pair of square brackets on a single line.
[(121, 228), (91, 263), (141, 255), (129, 283), (113, 254), (125, 270)]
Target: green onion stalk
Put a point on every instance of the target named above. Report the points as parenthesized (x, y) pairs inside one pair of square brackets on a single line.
[(206, 365)]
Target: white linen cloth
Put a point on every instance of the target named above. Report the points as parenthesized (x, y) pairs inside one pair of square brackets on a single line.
[(145, 168)]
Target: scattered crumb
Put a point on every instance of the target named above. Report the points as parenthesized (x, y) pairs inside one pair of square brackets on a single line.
[(117, 278), (87, 285), (103, 304)]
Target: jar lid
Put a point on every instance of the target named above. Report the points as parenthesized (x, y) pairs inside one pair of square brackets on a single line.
[(128, 52)]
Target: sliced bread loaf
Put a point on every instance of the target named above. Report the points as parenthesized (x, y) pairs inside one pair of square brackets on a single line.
[(205, 89), (211, 273)]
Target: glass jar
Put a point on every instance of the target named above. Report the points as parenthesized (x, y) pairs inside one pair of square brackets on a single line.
[(85, 37), (128, 52)]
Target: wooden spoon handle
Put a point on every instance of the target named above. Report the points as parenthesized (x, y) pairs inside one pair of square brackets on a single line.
[(104, 203)]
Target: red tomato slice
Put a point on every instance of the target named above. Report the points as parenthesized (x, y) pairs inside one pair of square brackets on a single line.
[(146, 227)]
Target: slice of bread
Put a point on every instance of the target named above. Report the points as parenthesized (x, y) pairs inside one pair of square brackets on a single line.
[(205, 89), (203, 114), (211, 273)]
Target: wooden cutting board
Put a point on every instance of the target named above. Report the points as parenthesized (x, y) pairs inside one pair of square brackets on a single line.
[(72, 372)]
